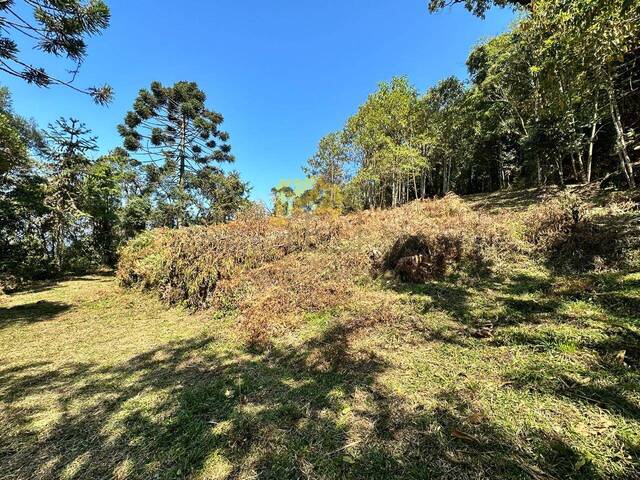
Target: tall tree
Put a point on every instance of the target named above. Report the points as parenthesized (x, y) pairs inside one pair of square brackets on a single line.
[(68, 143), (24, 217), (330, 159), (172, 130), (103, 200), (56, 27), (444, 125), (328, 166), (384, 131)]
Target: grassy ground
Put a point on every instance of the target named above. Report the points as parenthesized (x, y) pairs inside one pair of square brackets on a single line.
[(100, 382)]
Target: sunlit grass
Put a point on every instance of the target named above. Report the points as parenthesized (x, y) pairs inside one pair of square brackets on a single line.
[(98, 382)]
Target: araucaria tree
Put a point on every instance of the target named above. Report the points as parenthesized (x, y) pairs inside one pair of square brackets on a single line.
[(68, 143), (58, 28), (172, 131)]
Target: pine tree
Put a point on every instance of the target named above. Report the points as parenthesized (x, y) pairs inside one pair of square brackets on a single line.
[(68, 142), (58, 28), (171, 129)]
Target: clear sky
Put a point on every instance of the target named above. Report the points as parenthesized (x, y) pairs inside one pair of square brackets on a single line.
[(282, 72)]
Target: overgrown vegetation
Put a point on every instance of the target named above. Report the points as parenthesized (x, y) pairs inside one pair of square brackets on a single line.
[(274, 270), (512, 370)]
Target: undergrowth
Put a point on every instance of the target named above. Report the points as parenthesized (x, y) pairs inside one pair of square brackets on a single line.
[(272, 271)]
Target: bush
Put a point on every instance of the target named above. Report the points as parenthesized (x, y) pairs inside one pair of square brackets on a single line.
[(186, 265), (574, 235)]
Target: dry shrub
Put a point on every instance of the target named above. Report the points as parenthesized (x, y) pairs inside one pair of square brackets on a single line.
[(271, 271), (186, 265), (419, 258), (576, 235)]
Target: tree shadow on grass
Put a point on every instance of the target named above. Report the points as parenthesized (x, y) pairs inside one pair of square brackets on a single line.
[(456, 299), (191, 410), (40, 311), (38, 286)]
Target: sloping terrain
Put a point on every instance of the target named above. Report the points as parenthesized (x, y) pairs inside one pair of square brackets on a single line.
[(441, 340)]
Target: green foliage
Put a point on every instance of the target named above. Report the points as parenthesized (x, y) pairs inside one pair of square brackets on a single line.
[(57, 28), (548, 102), (173, 128), (12, 149), (478, 7)]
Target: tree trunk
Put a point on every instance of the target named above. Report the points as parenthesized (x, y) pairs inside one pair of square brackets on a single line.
[(560, 172), (621, 144), (592, 141), (581, 169), (574, 168), (445, 176), (182, 214)]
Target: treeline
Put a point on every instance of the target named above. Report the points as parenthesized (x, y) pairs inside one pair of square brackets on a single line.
[(554, 100), (62, 210)]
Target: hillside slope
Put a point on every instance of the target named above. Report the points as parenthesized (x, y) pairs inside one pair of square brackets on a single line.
[(503, 361)]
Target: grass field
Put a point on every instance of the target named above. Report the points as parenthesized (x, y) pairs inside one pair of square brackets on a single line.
[(101, 382)]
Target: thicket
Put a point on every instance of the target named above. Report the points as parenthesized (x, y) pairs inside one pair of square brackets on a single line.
[(272, 271)]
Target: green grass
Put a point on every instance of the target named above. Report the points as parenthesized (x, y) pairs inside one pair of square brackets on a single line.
[(98, 382)]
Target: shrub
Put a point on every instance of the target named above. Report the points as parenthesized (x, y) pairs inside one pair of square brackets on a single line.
[(572, 234), (186, 265)]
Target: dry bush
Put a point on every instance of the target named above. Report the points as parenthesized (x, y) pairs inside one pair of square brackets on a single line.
[(271, 271), (186, 265), (575, 234)]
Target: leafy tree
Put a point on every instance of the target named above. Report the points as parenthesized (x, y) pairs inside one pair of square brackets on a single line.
[(221, 195), (384, 133), (328, 167), (443, 123), (13, 149), (322, 197), (606, 37), (24, 217), (59, 28), (103, 201), (172, 130), (283, 197), (330, 159)]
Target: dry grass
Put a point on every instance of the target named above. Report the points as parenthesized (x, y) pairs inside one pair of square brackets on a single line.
[(272, 271)]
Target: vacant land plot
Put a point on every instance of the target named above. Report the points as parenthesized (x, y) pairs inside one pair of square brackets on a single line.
[(99, 382)]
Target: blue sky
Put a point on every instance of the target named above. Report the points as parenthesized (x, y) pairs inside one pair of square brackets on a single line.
[(282, 72)]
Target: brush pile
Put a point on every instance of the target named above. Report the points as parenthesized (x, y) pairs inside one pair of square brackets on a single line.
[(274, 270), (187, 265)]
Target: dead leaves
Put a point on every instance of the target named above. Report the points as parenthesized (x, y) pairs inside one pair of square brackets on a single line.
[(460, 435)]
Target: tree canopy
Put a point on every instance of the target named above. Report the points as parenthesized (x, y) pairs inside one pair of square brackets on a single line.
[(178, 137), (57, 27)]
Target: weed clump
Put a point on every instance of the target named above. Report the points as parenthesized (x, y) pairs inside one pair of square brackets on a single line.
[(574, 235)]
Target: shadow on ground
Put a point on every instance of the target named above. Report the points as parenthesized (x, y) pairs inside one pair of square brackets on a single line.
[(531, 312), (40, 311), (185, 409), (39, 286)]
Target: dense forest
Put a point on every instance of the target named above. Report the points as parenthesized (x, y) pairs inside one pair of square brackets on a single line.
[(553, 101)]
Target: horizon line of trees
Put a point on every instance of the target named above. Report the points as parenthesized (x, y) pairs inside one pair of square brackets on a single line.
[(553, 101), (64, 211)]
